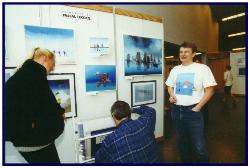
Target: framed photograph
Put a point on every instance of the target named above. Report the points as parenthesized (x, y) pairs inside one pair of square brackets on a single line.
[(59, 41), (142, 56), (143, 92), (9, 71), (100, 77), (241, 62), (242, 71), (99, 46), (63, 87)]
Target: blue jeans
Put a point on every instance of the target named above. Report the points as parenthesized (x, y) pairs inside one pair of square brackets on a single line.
[(189, 127)]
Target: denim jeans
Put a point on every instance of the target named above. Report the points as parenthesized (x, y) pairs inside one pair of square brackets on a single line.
[(189, 127)]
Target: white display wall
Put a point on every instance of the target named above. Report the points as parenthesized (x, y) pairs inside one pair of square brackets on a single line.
[(92, 109), (142, 28), (15, 18)]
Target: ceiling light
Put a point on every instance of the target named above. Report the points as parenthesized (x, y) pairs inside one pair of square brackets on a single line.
[(233, 17), (198, 53), (237, 49), (236, 34), (167, 57)]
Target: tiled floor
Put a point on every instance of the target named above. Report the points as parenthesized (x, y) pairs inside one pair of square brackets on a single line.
[(225, 134)]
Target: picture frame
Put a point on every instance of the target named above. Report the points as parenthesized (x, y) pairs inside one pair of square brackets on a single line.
[(9, 71), (241, 71), (60, 41), (142, 55), (100, 78), (143, 92), (241, 61), (63, 87), (99, 46)]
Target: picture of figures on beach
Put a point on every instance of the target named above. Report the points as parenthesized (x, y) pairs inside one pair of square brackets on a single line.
[(143, 92), (142, 55), (100, 77), (59, 41), (63, 87), (99, 46)]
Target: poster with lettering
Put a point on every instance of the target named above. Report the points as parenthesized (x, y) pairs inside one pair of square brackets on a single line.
[(71, 16), (76, 15)]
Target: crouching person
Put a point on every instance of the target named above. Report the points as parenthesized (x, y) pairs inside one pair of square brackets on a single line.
[(133, 141)]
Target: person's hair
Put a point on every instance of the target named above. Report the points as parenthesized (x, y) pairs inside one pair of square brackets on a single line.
[(186, 44), (228, 67), (120, 110), (195, 59), (38, 52)]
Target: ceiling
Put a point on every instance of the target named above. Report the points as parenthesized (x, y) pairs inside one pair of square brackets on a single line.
[(219, 11), (237, 25)]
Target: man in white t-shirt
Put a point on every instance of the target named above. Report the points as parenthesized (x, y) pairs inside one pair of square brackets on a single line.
[(190, 86), (228, 79)]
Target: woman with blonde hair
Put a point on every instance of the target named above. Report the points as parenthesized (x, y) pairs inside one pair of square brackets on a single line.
[(33, 118)]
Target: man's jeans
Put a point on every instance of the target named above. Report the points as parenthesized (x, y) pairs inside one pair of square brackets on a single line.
[(189, 127)]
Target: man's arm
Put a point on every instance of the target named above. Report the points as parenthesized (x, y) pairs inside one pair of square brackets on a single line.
[(102, 155), (209, 91), (172, 97), (144, 111), (147, 116)]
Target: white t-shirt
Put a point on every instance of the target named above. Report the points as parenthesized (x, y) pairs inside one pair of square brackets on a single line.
[(189, 82), (228, 77)]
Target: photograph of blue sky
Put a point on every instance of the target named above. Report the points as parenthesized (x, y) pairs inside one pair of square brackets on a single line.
[(100, 77), (61, 90), (142, 55), (60, 41)]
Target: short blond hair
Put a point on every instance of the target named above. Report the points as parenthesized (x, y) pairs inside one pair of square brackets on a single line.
[(38, 52)]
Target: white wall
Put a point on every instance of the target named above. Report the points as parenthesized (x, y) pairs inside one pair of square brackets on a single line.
[(89, 108), (93, 110), (192, 23), (141, 28), (239, 86), (14, 31)]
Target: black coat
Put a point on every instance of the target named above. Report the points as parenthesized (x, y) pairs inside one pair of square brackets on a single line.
[(28, 99)]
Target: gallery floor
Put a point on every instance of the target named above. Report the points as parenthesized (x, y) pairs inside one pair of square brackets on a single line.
[(225, 134)]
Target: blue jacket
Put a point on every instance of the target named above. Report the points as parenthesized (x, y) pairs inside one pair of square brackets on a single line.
[(132, 142)]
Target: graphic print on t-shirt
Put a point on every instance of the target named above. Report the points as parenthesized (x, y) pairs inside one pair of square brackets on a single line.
[(184, 84)]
